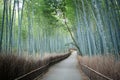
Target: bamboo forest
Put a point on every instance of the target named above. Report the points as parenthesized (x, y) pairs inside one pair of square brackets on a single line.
[(59, 39)]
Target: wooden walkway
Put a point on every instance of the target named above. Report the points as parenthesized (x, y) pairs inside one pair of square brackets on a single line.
[(64, 70)]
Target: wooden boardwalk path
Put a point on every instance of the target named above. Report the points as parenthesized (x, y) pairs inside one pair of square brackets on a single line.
[(64, 70)]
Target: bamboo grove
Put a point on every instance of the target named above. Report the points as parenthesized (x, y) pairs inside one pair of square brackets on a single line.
[(98, 26), (28, 26), (40, 26)]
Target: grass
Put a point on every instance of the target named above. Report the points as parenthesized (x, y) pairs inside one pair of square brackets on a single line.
[(12, 66), (107, 65)]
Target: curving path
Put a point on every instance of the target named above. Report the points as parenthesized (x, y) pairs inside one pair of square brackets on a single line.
[(64, 70)]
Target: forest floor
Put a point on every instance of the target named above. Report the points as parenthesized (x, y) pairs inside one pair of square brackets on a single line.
[(65, 70)]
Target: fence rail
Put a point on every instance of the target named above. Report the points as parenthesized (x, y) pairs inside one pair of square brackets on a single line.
[(98, 73), (34, 73)]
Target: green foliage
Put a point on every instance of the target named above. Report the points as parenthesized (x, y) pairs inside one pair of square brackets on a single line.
[(0, 19), (70, 11), (95, 25), (24, 34), (1, 9)]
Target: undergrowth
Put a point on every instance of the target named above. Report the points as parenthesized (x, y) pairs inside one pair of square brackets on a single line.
[(12, 66), (106, 65)]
